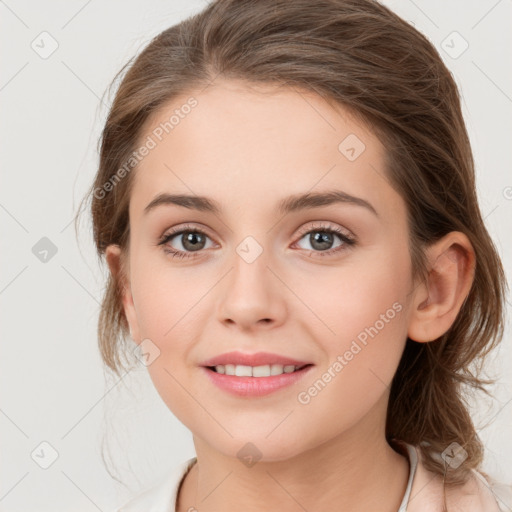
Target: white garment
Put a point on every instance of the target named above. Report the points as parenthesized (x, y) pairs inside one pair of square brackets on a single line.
[(422, 493)]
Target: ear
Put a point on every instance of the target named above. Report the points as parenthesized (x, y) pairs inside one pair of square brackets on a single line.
[(120, 275), (437, 301)]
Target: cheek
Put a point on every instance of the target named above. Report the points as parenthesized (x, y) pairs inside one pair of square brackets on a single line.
[(167, 303), (362, 358), (165, 296), (380, 325), (352, 297), (367, 312), (376, 311)]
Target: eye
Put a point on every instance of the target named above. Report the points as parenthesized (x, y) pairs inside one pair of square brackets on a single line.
[(322, 237), (190, 239)]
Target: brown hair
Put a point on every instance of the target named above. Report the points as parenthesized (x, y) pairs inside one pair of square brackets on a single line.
[(359, 54)]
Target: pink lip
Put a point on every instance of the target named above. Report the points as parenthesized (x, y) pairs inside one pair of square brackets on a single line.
[(257, 359), (254, 386)]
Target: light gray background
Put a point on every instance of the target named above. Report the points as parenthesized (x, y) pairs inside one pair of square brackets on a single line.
[(52, 381)]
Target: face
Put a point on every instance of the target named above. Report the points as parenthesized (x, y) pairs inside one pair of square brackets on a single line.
[(323, 282)]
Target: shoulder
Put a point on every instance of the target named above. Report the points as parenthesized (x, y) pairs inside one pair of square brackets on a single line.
[(479, 494), (162, 496)]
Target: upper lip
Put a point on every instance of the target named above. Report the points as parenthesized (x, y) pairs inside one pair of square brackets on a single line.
[(256, 359)]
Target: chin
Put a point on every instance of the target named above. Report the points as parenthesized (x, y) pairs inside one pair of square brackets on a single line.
[(256, 447)]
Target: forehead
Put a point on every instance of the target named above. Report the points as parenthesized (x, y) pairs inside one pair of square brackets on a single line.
[(250, 145)]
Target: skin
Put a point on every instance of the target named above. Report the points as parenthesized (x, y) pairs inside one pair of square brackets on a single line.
[(248, 147)]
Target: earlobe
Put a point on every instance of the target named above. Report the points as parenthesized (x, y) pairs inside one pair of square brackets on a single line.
[(437, 302), (113, 257)]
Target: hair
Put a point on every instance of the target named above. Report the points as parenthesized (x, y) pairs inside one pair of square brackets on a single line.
[(362, 56)]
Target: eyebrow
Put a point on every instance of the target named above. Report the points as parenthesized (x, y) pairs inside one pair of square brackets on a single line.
[(289, 204)]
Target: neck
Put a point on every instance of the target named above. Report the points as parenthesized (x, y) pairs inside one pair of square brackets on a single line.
[(355, 471)]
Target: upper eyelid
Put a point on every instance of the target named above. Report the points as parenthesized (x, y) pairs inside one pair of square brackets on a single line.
[(327, 225), (185, 228)]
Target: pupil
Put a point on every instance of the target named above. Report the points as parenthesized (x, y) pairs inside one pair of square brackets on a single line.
[(192, 239)]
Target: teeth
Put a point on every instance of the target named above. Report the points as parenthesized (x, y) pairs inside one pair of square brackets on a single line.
[(255, 371)]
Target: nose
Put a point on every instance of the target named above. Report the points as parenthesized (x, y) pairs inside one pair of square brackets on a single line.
[(252, 297)]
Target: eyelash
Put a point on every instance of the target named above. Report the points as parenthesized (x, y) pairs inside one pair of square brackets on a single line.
[(347, 241)]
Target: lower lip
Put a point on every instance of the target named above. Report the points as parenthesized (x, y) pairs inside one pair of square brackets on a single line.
[(254, 386)]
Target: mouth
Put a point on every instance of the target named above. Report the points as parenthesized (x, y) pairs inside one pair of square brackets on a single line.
[(267, 370), (255, 381)]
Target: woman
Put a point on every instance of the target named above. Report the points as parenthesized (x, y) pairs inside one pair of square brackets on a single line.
[(315, 157)]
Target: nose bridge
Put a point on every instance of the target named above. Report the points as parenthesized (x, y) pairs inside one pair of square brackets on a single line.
[(250, 250), (250, 274), (249, 294)]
